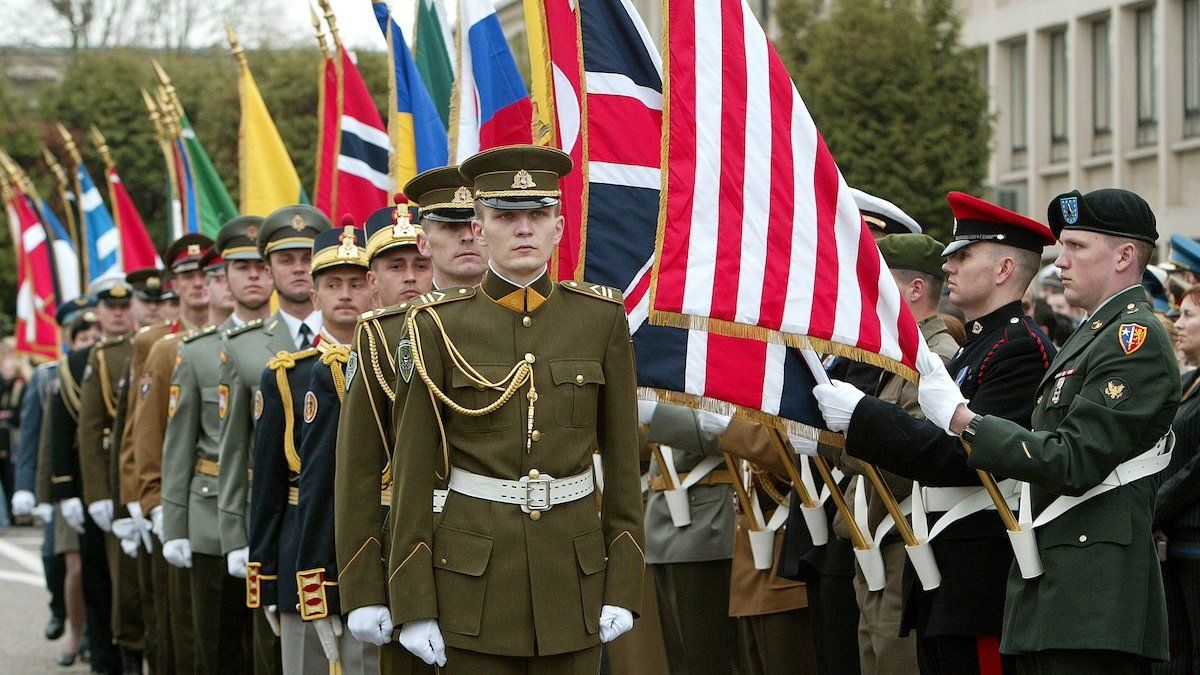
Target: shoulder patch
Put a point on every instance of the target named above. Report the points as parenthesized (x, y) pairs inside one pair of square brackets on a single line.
[(1131, 337), (310, 407), (1115, 390), (351, 366), (199, 332), (173, 400), (245, 328), (594, 290), (404, 358), (146, 385), (222, 400), (440, 296)]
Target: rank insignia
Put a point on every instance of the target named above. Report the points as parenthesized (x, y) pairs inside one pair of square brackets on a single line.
[(253, 585), (146, 385), (1115, 391), (173, 400), (310, 407), (222, 400), (258, 405), (351, 367), (404, 355), (310, 585), (1054, 397), (1131, 336)]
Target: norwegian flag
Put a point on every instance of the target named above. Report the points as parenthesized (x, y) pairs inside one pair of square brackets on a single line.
[(760, 236), (621, 160), (356, 182), (36, 331)]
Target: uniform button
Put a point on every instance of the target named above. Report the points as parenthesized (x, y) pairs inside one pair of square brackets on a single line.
[(1014, 320), (204, 489), (579, 379), (442, 561), (535, 515), (529, 358), (526, 321), (462, 291), (297, 607), (534, 474), (536, 435), (1082, 538)]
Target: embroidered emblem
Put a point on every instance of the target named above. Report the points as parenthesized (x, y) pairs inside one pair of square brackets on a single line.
[(976, 328), (1114, 390), (1070, 209), (310, 407), (146, 385), (173, 400), (404, 355), (462, 196), (523, 181), (297, 222), (258, 405), (1131, 336), (222, 400), (351, 367)]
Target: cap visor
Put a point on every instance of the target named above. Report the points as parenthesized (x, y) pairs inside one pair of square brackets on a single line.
[(956, 246), (519, 204)]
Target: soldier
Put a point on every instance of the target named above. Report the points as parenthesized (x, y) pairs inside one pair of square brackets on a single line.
[(510, 385), (1100, 427), (290, 542), (238, 289), (363, 463), (285, 242), (994, 256)]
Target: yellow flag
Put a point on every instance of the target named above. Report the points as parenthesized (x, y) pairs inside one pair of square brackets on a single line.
[(268, 177), (541, 87)]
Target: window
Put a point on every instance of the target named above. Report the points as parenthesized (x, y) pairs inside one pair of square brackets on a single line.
[(1058, 96), (1191, 67), (1016, 103), (1147, 104), (1101, 89)]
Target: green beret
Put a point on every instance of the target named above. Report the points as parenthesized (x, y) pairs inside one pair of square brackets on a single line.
[(1113, 211), (919, 252)]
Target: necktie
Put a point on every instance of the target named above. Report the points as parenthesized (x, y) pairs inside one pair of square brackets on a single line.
[(305, 336)]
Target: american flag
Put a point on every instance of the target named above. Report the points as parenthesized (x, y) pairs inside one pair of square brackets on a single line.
[(760, 236)]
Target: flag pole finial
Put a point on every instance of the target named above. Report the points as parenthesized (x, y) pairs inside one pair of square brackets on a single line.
[(55, 168), (102, 146), (331, 19), (69, 141), (235, 47), (316, 24), (153, 112)]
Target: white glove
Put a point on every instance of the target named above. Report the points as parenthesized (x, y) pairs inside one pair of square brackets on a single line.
[(156, 521), (102, 513), (235, 561), (329, 629), (130, 547), (72, 512), (44, 512), (712, 423), (614, 622), (23, 503), (178, 552), (143, 525), (837, 401), (272, 618), (938, 395), (125, 529), (371, 624), (424, 639)]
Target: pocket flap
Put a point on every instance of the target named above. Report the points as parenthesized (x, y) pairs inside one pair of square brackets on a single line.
[(576, 371), (461, 551), (589, 551), (1102, 519), (203, 486), (490, 372)]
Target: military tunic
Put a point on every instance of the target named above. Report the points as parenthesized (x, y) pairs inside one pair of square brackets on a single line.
[(1108, 397), (500, 581)]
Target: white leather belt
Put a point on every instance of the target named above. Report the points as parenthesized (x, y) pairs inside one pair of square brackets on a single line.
[(942, 499), (536, 492), (439, 500)]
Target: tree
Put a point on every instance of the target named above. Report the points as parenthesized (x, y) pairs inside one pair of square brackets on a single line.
[(896, 96)]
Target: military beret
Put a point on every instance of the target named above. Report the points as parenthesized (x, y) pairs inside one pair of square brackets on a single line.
[(390, 227), (517, 177), (343, 246), (442, 194), (918, 252), (238, 239), (111, 289), (1154, 280), (73, 309), (183, 255), (882, 215), (1185, 253), (291, 227), (979, 220), (149, 284), (1113, 211)]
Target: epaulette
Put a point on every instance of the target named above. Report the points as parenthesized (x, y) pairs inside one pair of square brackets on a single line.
[(244, 328), (199, 332), (145, 329), (438, 297), (594, 290), (105, 343), (395, 310)]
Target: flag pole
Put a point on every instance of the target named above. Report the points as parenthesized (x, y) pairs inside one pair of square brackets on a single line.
[(331, 23), (73, 152), (60, 178)]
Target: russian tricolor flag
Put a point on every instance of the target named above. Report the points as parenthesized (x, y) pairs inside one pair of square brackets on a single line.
[(492, 101)]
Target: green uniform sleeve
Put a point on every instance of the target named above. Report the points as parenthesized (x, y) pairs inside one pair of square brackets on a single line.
[(179, 443), (233, 483)]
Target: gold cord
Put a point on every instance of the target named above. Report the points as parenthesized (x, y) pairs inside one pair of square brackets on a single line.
[(282, 362), (336, 358)]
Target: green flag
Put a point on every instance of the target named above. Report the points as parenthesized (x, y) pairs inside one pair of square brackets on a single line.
[(214, 205), (432, 53)]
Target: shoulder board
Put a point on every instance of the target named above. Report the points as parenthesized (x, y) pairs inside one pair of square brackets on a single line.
[(111, 342), (168, 337), (145, 329), (246, 328), (438, 297), (199, 332), (594, 290), (402, 308)]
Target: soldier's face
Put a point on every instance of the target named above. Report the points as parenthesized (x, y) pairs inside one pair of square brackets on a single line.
[(190, 288), (219, 295), (1088, 262), (144, 313), (249, 282), (970, 275), (1188, 326), (291, 272), (400, 274), (113, 317), (342, 293), (453, 250), (519, 243)]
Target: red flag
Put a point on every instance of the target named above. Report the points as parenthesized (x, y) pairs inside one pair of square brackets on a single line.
[(36, 331), (329, 113), (137, 249)]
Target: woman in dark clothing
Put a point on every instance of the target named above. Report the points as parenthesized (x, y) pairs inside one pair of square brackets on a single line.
[(1177, 517)]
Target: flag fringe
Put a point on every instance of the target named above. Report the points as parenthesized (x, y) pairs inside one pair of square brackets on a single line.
[(790, 427), (733, 329)]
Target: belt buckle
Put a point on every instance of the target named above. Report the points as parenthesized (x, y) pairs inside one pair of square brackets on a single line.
[(531, 502)]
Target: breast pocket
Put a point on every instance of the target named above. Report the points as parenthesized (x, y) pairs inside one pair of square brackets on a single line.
[(577, 385), (468, 393)]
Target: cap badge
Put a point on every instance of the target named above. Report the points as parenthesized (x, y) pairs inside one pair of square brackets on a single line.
[(297, 222), (193, 249), (401, 223), (252, 231), (348, 249), (153, 283), (523, 181), (462, 196), (117, 291), (1070, 209), (976, 328)]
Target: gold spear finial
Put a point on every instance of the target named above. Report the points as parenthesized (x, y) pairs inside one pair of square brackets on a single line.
[(55, 168), (155, 115), (235, 47), (69, 141), (102, 146), (331, 19), (316, 24), (5, 191)]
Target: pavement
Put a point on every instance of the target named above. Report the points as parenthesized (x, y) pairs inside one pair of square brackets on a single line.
[(23, 606)]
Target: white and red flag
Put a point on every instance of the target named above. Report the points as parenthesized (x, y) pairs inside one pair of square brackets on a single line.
[(36, 330), (759, 236)]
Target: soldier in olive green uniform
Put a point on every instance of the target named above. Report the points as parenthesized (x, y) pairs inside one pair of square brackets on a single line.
[(1099, 437), (285, 243), (511, 385)]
